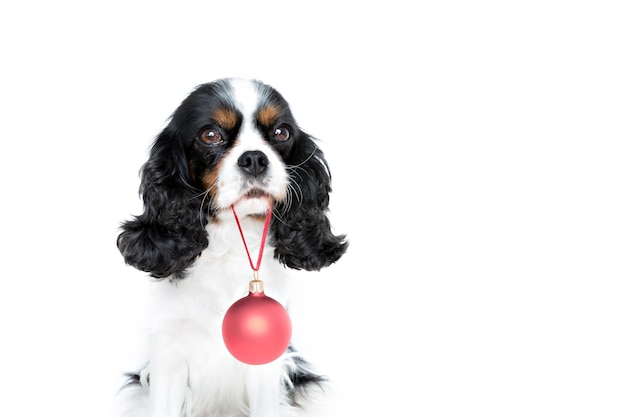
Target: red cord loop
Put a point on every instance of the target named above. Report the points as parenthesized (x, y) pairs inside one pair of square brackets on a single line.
[(266, 226)]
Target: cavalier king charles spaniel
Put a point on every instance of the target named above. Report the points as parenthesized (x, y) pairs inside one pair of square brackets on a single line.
[(231, 144)]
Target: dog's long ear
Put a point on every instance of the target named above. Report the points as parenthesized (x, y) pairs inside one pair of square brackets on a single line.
[(170, 233), (301, 231)]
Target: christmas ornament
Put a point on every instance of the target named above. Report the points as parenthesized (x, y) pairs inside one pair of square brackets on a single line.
[(256, 329)]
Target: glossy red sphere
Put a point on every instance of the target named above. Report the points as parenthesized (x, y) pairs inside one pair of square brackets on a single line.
[(256, 329)]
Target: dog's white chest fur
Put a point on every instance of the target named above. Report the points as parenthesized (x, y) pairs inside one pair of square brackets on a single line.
[(186, 339)]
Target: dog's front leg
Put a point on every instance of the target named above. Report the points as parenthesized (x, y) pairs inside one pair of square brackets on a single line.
[(263, 386), (169, 376)]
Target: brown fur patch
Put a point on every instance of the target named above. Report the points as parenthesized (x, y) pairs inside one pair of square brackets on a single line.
[(267, 116), (209, 181), (226, 118)]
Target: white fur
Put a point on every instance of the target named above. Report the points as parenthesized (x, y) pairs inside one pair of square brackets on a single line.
[(186, 353), (231, 184)]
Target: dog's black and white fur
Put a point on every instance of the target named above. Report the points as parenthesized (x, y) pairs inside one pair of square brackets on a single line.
[(232, 142)]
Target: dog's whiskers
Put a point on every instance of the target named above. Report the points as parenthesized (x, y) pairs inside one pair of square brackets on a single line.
[(306, 160), (294, 193), (297, 169), (206, 195)]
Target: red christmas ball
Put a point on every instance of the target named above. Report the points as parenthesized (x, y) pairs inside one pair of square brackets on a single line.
[(256, 329)]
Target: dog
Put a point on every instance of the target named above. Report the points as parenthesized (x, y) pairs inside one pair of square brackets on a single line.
[(231, 145)]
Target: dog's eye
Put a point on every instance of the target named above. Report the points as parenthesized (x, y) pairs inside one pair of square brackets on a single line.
[(211, 136), (281, 134)]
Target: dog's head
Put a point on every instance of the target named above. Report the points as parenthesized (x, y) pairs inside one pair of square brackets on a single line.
[(231, 142)]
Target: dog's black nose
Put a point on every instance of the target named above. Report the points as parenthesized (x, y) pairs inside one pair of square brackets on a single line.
[(253, 162)]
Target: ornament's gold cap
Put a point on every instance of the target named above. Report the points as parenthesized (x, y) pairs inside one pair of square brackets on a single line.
[(256, 286)]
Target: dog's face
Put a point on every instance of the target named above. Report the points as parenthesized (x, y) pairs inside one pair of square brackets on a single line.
[(240, 134), (230, 143)]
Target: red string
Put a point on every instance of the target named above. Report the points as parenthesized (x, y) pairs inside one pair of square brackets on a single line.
[(266, 227)]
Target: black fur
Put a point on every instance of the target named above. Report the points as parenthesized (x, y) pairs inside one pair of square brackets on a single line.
[(170, 234), (303, 238), (302, 377)]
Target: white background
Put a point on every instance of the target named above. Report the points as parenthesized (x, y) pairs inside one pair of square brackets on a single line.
[(479, 171)]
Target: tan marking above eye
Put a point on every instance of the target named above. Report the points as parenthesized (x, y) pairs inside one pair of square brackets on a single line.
[(226, 118), (268, 115)]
